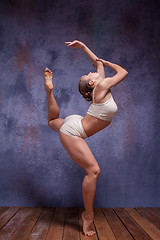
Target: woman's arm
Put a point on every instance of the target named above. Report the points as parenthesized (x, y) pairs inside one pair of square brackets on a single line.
[(117, 78), (113, 66), (98, 64), (90, 55), (88, 52)]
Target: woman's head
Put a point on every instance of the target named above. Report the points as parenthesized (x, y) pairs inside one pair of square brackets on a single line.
[(87, 84)]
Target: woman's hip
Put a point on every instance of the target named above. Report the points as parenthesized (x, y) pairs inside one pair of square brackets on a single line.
[(72, 126)]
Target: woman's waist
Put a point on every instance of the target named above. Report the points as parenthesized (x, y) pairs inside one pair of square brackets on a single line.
[(93, 125)]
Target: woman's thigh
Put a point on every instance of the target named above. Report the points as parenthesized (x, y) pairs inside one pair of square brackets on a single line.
[(56, 124), (80, 152)]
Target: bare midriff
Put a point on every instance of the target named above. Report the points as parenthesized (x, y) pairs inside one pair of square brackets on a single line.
[(92, 125)]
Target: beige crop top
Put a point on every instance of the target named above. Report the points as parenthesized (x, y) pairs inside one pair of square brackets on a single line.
[(104, 111)]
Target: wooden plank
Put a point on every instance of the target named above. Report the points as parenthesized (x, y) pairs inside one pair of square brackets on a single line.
[(15, 222), (3, 209), (103, 228), (71, 227), (82, 236), (154, 211), (56, 227), (40, 230), (24, 228), (7, 214), (150, 216), (110, 224), (149, 228), (133, 227), (116, 225)]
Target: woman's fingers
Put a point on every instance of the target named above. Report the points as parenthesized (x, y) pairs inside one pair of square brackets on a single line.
[(69, 44), (75, 44), (101, 60), (98, 59)]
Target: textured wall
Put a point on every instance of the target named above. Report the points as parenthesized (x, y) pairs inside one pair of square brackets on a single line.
[(35, 170)]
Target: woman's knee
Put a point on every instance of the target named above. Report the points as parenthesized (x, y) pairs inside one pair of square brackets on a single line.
[(55, 124), (94, 171)]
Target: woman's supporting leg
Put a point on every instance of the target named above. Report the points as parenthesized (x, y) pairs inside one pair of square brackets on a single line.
[(82, 155), (89, 190), (53, 109)]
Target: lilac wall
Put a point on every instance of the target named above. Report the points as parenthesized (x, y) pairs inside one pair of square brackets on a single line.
[(35, 170)]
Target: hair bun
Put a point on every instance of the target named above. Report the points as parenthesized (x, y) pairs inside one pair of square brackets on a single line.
[(86, 90)]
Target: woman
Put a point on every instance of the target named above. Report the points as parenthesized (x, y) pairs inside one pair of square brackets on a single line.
[(74, 129)]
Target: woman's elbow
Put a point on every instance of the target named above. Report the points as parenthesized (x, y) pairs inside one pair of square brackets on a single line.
[(125, 72)]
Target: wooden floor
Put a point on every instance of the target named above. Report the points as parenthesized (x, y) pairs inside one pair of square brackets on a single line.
[(20, 223)]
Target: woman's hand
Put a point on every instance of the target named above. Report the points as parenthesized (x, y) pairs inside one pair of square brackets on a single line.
[(94, 65), (75, 44), (105, 63)]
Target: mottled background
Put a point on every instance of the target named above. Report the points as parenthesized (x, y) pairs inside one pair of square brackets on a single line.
[(35, 170)]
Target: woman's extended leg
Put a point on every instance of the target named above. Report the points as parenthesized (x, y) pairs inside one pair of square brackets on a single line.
[(53, 110), (82, 155)]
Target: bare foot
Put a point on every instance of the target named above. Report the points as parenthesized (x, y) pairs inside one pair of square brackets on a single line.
[(86, 225), (48, 79)]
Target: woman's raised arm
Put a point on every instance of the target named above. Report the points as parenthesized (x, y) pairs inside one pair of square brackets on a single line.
[(90, 54), (113, 66), (117, 78)]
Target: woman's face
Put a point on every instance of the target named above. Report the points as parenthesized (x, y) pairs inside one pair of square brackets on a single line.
[(91, 76)]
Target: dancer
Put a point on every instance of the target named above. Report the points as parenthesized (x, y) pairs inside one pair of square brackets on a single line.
[(96, 88)]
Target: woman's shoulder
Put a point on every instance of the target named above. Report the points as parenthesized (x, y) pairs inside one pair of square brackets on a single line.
[(101, 94), (102, 85)]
